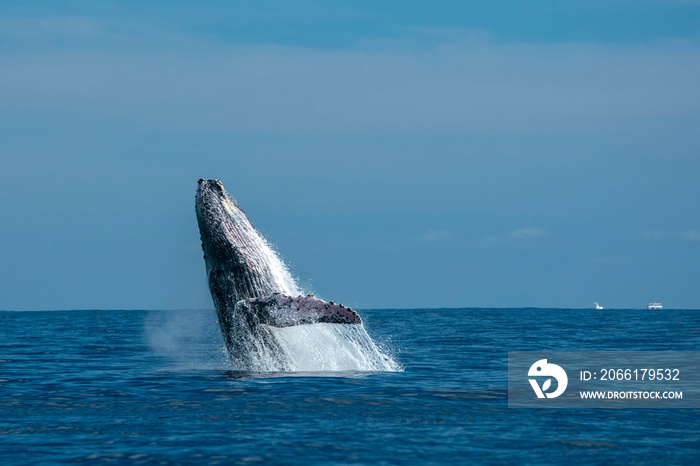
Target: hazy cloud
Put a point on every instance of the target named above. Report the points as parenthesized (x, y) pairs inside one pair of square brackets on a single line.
[(438, 236), (517, 236), (684, 235), (528, 233)]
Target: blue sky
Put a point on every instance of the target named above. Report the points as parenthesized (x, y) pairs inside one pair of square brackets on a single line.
[(398, 154)]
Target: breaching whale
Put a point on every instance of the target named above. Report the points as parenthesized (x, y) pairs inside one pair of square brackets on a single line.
[(251, 288)]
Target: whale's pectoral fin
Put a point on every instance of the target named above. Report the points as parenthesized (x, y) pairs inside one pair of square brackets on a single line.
[(279, 310)]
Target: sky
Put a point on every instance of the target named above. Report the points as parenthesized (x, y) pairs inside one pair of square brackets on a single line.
[(398, 154)]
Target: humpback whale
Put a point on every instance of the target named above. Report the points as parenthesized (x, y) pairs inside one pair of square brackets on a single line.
[(251, 288)]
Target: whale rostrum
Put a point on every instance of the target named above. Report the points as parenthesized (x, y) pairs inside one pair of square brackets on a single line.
[(251, 288)]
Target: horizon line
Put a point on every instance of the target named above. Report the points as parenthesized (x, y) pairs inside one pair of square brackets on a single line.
[(363, 309)]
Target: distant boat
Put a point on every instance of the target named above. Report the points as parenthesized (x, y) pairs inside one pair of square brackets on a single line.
[(597, 306), (654, 306)]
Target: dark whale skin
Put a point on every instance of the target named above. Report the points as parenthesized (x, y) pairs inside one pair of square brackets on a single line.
[(232, 248)]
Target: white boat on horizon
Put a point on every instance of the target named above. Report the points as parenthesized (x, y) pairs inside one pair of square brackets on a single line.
[(597, 306), (653, 306)]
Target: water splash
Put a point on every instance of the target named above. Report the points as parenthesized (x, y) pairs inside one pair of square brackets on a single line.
[(192, 340), (300, 348), (316, 347), (324, 347), (187, 339), (254, 346)]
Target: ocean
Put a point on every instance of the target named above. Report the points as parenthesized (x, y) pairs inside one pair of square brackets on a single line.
[(156, 387)]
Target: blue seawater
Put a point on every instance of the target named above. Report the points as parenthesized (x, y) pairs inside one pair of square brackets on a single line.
[(154, 387)]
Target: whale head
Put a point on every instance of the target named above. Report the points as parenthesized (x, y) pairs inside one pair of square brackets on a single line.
[(240, 263)]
